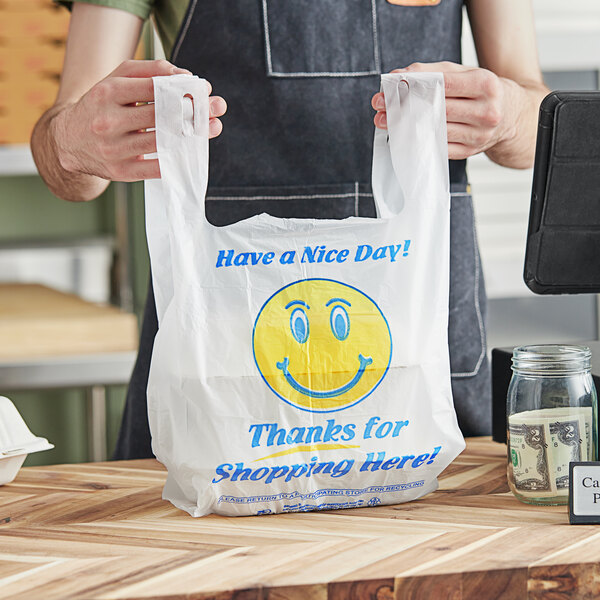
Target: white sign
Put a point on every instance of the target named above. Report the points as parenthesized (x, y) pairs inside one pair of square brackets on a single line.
[(585, 492)]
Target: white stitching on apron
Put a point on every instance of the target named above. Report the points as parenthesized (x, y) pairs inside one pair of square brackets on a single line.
[(356, 197), (184, 30), (267, 37), (375, 38), (296, 197), (477, 310), (324, 74), (356, 194), (376, 57)]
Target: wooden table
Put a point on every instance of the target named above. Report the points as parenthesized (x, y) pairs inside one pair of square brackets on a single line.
[(101, 531)]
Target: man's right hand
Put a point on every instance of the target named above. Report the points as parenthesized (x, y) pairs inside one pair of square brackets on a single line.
[(105, 132), (96, 131)]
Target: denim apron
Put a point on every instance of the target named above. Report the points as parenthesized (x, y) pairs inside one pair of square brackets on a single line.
[(298, 77)]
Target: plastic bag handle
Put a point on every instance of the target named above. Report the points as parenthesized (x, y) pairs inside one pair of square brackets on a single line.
[(410, 159), (181, 110)]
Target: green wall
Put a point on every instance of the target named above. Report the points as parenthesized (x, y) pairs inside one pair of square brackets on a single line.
[(28, 210)]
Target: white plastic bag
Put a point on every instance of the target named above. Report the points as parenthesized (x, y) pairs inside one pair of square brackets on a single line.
[(302, 364)]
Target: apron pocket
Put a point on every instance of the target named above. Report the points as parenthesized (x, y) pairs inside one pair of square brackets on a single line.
[(304, 38), (226, 205), (466, 333)]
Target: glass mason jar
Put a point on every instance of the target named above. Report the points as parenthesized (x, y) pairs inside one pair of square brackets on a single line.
[(552, 420)]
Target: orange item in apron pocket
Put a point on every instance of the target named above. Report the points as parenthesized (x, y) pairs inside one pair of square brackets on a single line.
[(414, 2)]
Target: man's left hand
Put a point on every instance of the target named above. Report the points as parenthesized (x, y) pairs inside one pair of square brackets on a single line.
[(481, 108)]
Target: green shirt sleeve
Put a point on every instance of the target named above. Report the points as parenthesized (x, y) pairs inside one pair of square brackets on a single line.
[(140, 8)]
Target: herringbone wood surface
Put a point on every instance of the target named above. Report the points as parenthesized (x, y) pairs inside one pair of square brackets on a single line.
[(102, 531)]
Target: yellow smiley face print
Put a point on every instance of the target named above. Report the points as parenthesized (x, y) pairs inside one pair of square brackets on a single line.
[(321, 345)]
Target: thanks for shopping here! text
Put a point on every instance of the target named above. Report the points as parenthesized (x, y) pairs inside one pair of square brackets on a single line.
[(271, 434)]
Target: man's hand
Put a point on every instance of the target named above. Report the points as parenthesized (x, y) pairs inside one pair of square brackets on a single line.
[(476, 102), (483, 111), (105, 132)]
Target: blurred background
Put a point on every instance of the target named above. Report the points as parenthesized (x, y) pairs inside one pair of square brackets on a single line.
[(66, 352)]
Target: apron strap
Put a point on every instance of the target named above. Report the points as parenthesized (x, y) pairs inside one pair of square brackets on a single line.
[(410, 159)]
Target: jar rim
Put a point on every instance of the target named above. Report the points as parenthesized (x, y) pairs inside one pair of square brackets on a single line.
[(551, 358), (543, 353)]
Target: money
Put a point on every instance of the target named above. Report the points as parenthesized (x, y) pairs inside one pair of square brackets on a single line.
[(566, 444), (552, 414), (529, 457), (543, 442)]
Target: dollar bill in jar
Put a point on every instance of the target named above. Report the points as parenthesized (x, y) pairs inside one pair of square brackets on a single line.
[(542, 443)]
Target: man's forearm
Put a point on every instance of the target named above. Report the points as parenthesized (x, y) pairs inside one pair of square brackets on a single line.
[(68, 185)]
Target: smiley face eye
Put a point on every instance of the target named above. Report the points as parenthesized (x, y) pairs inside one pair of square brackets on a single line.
[(299, 325), (340, 322)]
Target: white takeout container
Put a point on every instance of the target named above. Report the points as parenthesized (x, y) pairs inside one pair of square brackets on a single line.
[(16, 441)]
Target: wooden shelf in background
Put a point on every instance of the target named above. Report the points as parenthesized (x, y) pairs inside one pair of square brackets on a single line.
[(39, 322)]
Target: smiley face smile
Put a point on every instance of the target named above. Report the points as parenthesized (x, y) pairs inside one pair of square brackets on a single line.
[(363, 364)]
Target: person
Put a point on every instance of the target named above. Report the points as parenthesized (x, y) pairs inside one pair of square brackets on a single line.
[(297, 78)]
